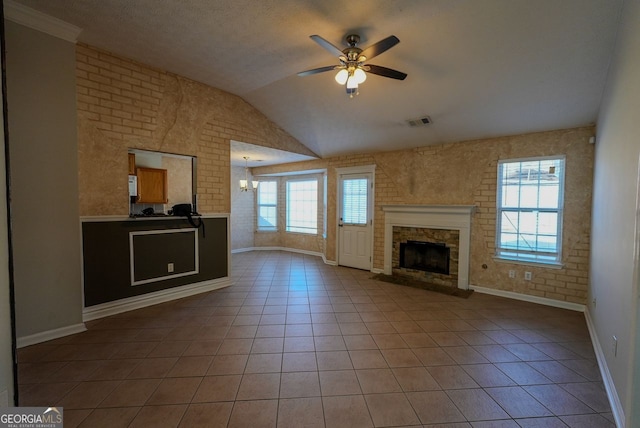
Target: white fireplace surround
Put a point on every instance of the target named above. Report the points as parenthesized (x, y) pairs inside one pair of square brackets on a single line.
[(449, 217)]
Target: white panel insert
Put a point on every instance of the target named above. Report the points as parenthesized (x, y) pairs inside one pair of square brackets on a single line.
[(164, 277)]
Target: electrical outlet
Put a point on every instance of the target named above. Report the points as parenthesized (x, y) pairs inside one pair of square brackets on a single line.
[(614, 346), (512, 274), (527, 276), (170, 267)]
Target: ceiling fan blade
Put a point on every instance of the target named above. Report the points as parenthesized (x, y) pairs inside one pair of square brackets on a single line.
[(328, 46), (317, 70), (386, 72), (380, 47)]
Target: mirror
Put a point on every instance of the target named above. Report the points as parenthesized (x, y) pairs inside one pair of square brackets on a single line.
[(157, 181)]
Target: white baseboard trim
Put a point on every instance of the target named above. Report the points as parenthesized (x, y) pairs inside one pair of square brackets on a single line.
[(288, 249), (612, 393), (241, 250), (527, 298), (45, 336), (291, 250), (161, 296), (329, 262)]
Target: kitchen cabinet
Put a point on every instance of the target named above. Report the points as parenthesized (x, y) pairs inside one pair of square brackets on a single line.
[(152, 185)]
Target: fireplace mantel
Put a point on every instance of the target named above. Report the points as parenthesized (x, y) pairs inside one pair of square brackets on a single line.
[(453, 217)]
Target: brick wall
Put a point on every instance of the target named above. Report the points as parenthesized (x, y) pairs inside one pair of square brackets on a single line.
[(123, 104), (465, 173), (119, 96)]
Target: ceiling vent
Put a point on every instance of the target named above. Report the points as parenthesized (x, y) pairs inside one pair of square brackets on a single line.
[(421, 121)]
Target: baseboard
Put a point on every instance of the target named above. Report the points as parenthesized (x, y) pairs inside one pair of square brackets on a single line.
[(612, 393), (45, 336), (288, 249), (242, 250), (329, 262), (527, 298), (162, 296)]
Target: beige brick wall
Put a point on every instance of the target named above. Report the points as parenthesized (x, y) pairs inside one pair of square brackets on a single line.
[(465, 173), (123, 104)]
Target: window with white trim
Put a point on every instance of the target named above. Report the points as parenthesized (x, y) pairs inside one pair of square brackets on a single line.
[(302, 206), (529, 205), (268, 206)]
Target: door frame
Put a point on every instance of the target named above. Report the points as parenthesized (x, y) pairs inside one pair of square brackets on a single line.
[(633, 417), (362, 169)]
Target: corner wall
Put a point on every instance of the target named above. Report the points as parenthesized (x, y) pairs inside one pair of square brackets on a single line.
[(44, 180), (243, 212), (614, 296), (6, 340)]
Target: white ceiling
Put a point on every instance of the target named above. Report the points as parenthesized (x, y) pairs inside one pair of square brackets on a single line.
[(478, 68)]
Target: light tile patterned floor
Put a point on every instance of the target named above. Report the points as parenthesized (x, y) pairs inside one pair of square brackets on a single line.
[(296, 343)]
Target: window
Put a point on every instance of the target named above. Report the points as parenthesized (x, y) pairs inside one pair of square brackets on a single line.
[(530, 199), (302, 206), (354, 200), (268, 205)]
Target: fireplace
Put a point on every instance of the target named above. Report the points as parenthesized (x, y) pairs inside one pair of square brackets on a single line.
[(448, 224), (425, 256)]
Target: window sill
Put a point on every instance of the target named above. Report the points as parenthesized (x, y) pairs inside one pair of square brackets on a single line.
[(302, 233), (548, 265)]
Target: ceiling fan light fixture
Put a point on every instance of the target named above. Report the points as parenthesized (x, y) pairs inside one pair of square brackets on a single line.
[(342, 76), (352, 70)]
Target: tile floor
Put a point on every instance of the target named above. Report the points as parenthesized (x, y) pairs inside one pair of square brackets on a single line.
[(296, 343)]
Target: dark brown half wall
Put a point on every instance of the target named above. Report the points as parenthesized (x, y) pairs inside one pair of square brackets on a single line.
[(107, 256)]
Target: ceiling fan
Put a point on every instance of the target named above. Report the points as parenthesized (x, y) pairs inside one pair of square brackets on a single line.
[(352, 69)]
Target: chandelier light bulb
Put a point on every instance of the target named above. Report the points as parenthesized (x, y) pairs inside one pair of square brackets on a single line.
[(342, 76), (359, 75), (352, 83)]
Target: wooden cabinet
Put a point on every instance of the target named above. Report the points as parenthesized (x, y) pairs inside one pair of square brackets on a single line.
[(152, 185), (132, 164)]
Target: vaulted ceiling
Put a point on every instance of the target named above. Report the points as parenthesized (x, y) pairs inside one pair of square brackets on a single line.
[(478, 68)]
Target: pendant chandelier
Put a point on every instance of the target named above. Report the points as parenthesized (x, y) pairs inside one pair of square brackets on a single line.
[(244, 184)]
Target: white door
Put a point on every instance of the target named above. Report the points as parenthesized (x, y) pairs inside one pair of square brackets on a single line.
[(355, 225)]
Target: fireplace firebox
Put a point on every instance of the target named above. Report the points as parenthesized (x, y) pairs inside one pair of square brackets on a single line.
[(425, 256)]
